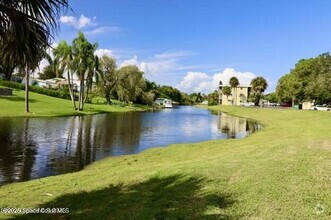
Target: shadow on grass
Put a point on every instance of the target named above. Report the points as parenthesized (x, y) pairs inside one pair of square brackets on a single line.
[(173, 197), (16, 98)]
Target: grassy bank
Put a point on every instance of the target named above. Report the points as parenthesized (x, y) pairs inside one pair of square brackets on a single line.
[(281, 172), (43, 106)]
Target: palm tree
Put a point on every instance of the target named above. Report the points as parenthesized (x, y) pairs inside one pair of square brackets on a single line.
[(85, 65), (226, 90), (40, 15), (92, 70), (53, 69), (7, 66), (259, 85), (63, 52), (27, 54), (234, 82), (26, 27)]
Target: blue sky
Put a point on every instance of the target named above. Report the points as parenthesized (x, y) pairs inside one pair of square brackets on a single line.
[(193, 44)]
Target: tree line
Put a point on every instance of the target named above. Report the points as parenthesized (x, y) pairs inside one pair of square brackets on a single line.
[(101, 76), (309, 80)]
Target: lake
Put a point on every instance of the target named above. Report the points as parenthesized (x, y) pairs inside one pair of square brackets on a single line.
[(31, 148)]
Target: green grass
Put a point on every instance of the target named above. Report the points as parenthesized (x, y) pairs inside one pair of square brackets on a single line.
[(45, 106), (280, 172)]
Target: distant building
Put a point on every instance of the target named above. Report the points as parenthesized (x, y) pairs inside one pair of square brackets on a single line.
[(47, 83), (55, 83), (239, 95), (307, 105)]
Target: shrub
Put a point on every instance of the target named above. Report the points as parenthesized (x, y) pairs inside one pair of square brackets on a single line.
[(50, 92)]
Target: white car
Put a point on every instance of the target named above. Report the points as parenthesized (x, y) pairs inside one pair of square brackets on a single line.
[(248, 104), (320, 108)]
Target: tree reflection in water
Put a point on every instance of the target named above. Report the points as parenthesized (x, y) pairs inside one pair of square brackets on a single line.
[(18, 156)]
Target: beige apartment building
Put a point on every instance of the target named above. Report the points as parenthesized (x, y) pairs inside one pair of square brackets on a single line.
[(239, 95)]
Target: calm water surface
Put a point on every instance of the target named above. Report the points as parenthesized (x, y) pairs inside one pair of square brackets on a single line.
[(31, 148)]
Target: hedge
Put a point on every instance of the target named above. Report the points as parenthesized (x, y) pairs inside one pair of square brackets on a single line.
[(36, 89)]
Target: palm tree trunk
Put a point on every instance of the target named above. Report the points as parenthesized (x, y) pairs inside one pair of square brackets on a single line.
[(86, 95), (73, 89), (81, 94), (27, 89), (71, 92)]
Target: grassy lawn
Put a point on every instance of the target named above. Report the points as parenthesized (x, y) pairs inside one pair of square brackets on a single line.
[(42, 105), (281, 172)]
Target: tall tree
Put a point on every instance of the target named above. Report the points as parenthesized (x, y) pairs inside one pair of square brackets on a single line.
[(132, 83), (234, 82), (272, 97), (171, 93), (213, 98), (107, 79), (226, 90), (26, 27), (85, 65), (27, 54), (63, 52), (309, 80), (259, 85), (288, 88), (53, 69)]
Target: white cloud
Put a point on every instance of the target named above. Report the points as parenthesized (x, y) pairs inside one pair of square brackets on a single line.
[(84, 21), (202, 82), (78, 23), (102, 52), (68, 20), (152, 67), (243, 77), (132, 61), (195, 82), (203, 86), (101, 30), (159, 64), (172, 54), (89, 24)]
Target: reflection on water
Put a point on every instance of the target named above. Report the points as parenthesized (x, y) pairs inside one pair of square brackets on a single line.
[(236, 127), (36, 147)]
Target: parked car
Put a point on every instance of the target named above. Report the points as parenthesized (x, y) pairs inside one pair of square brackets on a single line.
[(274, 104), (248, 104), (320, 108), (286, 104)]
